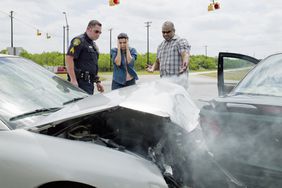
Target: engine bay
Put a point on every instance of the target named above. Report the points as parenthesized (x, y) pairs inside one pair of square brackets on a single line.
[(153, 137), (177, 153)]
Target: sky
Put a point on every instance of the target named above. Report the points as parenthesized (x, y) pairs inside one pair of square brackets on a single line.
[(249, 27)]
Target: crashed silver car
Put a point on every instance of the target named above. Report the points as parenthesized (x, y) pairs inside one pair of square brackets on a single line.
[(52, 134)]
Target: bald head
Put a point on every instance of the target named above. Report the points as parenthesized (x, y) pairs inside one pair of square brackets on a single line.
[(169, 24), (168, 30)]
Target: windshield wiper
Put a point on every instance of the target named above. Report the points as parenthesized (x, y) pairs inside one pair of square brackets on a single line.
[(73, 100), (35, 112)]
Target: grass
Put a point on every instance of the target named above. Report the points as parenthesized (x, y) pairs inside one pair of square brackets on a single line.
[(235, 75), (230, 75), (104, 74), (212, 74)]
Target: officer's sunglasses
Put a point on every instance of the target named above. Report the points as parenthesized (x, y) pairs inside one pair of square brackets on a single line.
[(97, 31), (166, 32)]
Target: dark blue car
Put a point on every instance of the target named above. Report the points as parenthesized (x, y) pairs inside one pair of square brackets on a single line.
[(243, 126)]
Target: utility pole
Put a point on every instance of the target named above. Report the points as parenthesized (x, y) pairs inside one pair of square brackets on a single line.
[(206, 51), (148, 25), (68, 28), (110, 47), (12, 33), (64, 46), (12, 43)]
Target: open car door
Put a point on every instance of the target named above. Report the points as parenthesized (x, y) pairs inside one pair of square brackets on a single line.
[(231, 69)]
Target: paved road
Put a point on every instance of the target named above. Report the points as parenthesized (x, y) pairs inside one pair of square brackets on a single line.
[(201, 87)]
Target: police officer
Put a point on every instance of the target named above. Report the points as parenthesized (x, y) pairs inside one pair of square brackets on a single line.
[(82, 59)]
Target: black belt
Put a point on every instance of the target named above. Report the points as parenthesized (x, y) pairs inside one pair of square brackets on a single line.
[(87, 76)]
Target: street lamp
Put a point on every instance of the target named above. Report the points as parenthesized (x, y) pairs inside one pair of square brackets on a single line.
[(67, 27), (12, 34), (12, 31), (110, 47), (64, 46), (206, 50), (148, 25)]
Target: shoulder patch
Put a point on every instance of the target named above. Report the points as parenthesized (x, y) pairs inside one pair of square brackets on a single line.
[(76, 42), (72, 50)]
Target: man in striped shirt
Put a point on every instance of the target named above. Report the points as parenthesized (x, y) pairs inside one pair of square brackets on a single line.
[(172, 56)]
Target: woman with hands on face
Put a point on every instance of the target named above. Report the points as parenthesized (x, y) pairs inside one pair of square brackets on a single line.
[(123, 58)]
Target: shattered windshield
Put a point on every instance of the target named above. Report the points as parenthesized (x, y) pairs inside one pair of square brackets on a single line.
[(27, 87)]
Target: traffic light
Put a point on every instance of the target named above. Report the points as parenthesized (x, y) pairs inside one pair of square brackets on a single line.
[(113, 2), (48, 36), (216, 5), (213, 6), (38, 33), (210, 7)]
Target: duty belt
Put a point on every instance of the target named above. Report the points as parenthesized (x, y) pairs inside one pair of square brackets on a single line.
[(87, 76)]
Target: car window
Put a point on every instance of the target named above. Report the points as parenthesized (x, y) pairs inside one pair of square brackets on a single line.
[(26, 86), (265, 79), (235, 69)]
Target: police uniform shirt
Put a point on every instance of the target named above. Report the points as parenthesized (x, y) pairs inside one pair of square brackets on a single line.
[(85, 54)]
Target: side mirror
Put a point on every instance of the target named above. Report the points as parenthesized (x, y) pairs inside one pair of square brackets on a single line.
[(225, 88), (228, 89)]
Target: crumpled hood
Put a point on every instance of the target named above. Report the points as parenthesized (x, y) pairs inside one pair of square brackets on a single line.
[(158, 98)]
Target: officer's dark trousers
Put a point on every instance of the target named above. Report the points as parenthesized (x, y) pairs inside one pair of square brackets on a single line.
[(116, 85), (86, 86)]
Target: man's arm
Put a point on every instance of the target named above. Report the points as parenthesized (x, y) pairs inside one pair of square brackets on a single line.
[(184, 49), (185, 59), (70, 69), (185, 62), (100, 87), (72, 53), (155, 66)]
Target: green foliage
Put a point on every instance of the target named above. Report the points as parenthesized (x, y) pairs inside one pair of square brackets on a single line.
[(45, 58), (230, 63), (141, 62), (4, 51), (104, 63), (197, 62)]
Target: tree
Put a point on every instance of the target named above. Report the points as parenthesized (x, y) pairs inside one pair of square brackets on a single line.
[(197, 62), (4, 51)]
